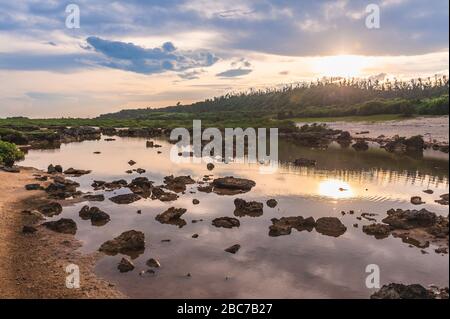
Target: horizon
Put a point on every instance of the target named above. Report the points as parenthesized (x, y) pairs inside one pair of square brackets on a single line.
[(152, 54)]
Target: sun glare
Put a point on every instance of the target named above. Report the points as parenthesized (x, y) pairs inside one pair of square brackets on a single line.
[(341, 65), (335, 189)]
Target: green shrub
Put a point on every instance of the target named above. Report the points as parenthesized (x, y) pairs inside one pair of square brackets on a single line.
[(9, 153)]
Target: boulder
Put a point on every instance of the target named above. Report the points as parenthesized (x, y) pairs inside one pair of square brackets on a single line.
[(125, 265), (272, 203), (330, 226), (380, 231), (243, 208), (409, 219), (33, 187), (177, 184), (125, 198), (417, 200), (63, 225), (162, 195), (51, 209), (172, 216), (361, 145), (233, 249), (128, 242), (153, 263), (76, 172), (226, 222), (230, 185), (284, 225)]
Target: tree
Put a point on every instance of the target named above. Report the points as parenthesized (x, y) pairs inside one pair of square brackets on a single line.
[(9, 153)]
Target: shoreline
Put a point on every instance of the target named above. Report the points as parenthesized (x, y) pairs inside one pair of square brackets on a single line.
[(33, 265)]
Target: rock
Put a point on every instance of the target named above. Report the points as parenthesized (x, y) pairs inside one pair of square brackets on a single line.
[(58, 168), (400, 291), (131, 162), (344, 138), (172, 216), (195, 236), (51, 209), (380, 231), (159, 193), (226, 222), (51, 169), (231, 186), (128, 242), (62, 188), (409, 219), (369, 216), (416, 200), (330, 226), (28, 229), (205, 189), (361, 145), (210, 166), (125, 265), (33, 187), (76, 172), (140, 170), (98, 217), (114, 184), (94, 198), (63, 225), (402, 145), (284, 225), (243, 208), (441, 250), (10, 169), (428, 191), (417, 241), (304, 162), (125, 198), (195, 201), (151, 144), (153, 263), (141, 186), (444, 199), (272, 203), (177, 184), (233, 249)]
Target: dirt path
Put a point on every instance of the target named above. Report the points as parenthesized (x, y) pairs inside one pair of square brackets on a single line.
[(33, 265)]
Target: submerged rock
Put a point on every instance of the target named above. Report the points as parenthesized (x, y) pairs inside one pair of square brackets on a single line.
[(243, 208), (226, 222), (380, 231), (330, 226), (231, 185), (51, 209), (284, 225), (63, 225), (272, 203), (172, 216), (233, 249), (125, 198), (125, 265), (76, 172), (128, 242)]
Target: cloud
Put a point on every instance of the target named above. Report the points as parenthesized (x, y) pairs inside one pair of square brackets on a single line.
[(134, 58), (240, 67)]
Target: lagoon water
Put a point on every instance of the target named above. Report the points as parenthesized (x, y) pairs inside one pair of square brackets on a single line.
[(301, 265)]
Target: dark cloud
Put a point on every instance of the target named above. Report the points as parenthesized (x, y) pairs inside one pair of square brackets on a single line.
[(134, 58), (234, 73)]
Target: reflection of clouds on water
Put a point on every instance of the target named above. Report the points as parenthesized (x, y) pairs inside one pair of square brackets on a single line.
[(303, 264)]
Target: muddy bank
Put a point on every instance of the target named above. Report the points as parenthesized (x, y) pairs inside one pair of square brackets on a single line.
[(33, 259)]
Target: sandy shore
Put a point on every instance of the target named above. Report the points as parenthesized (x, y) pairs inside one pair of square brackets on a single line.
[(33, 265)]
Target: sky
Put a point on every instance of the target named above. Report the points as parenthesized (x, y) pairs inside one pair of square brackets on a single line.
[(155, 53)]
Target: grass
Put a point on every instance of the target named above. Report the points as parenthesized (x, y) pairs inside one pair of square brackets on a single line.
[(366, 118)]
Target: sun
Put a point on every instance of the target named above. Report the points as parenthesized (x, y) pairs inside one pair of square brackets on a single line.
[(340, 65)]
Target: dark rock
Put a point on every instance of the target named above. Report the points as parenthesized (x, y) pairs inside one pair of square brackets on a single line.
[(125, 198), (233, 249), (272, 203), (63, 225), (428, 191), (304, 162), (28, 229), (243, 208), (205, 189), (400, 291), (444, 200), (153, 263), (226, 222), (76, 172), (361, 145), (380, 231), (284, 225), (50, 209), (128, 242), (195, 201), (330, 226), (210, 166), (159, 193), (409, 219), (131, 162), (33, 187), (142, 186), (416, 200), (125, 265), (172, 216), (195, 236), (230, 185), (94, 198), (177, 184)]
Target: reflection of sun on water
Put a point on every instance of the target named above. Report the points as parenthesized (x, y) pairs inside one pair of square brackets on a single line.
[(335, 189)]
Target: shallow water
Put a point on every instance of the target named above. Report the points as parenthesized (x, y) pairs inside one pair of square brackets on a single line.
[(300, 265), (432, 128)]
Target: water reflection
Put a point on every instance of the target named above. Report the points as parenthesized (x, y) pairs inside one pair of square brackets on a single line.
[(300, 265)]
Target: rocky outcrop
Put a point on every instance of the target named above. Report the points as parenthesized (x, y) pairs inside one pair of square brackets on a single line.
[(231, 185), (63, 225), (380, 231), (330, 226), (125, 198), (409, 219), (141, 186), (243, 208), (76, 172), (172, 216), (401, 291), (162, 195), (226, 222), (413, 144), (177, 184), (50, 209), (127, 243), (284, 225)]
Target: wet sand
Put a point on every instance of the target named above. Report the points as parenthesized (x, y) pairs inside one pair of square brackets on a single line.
[(33, 265)]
